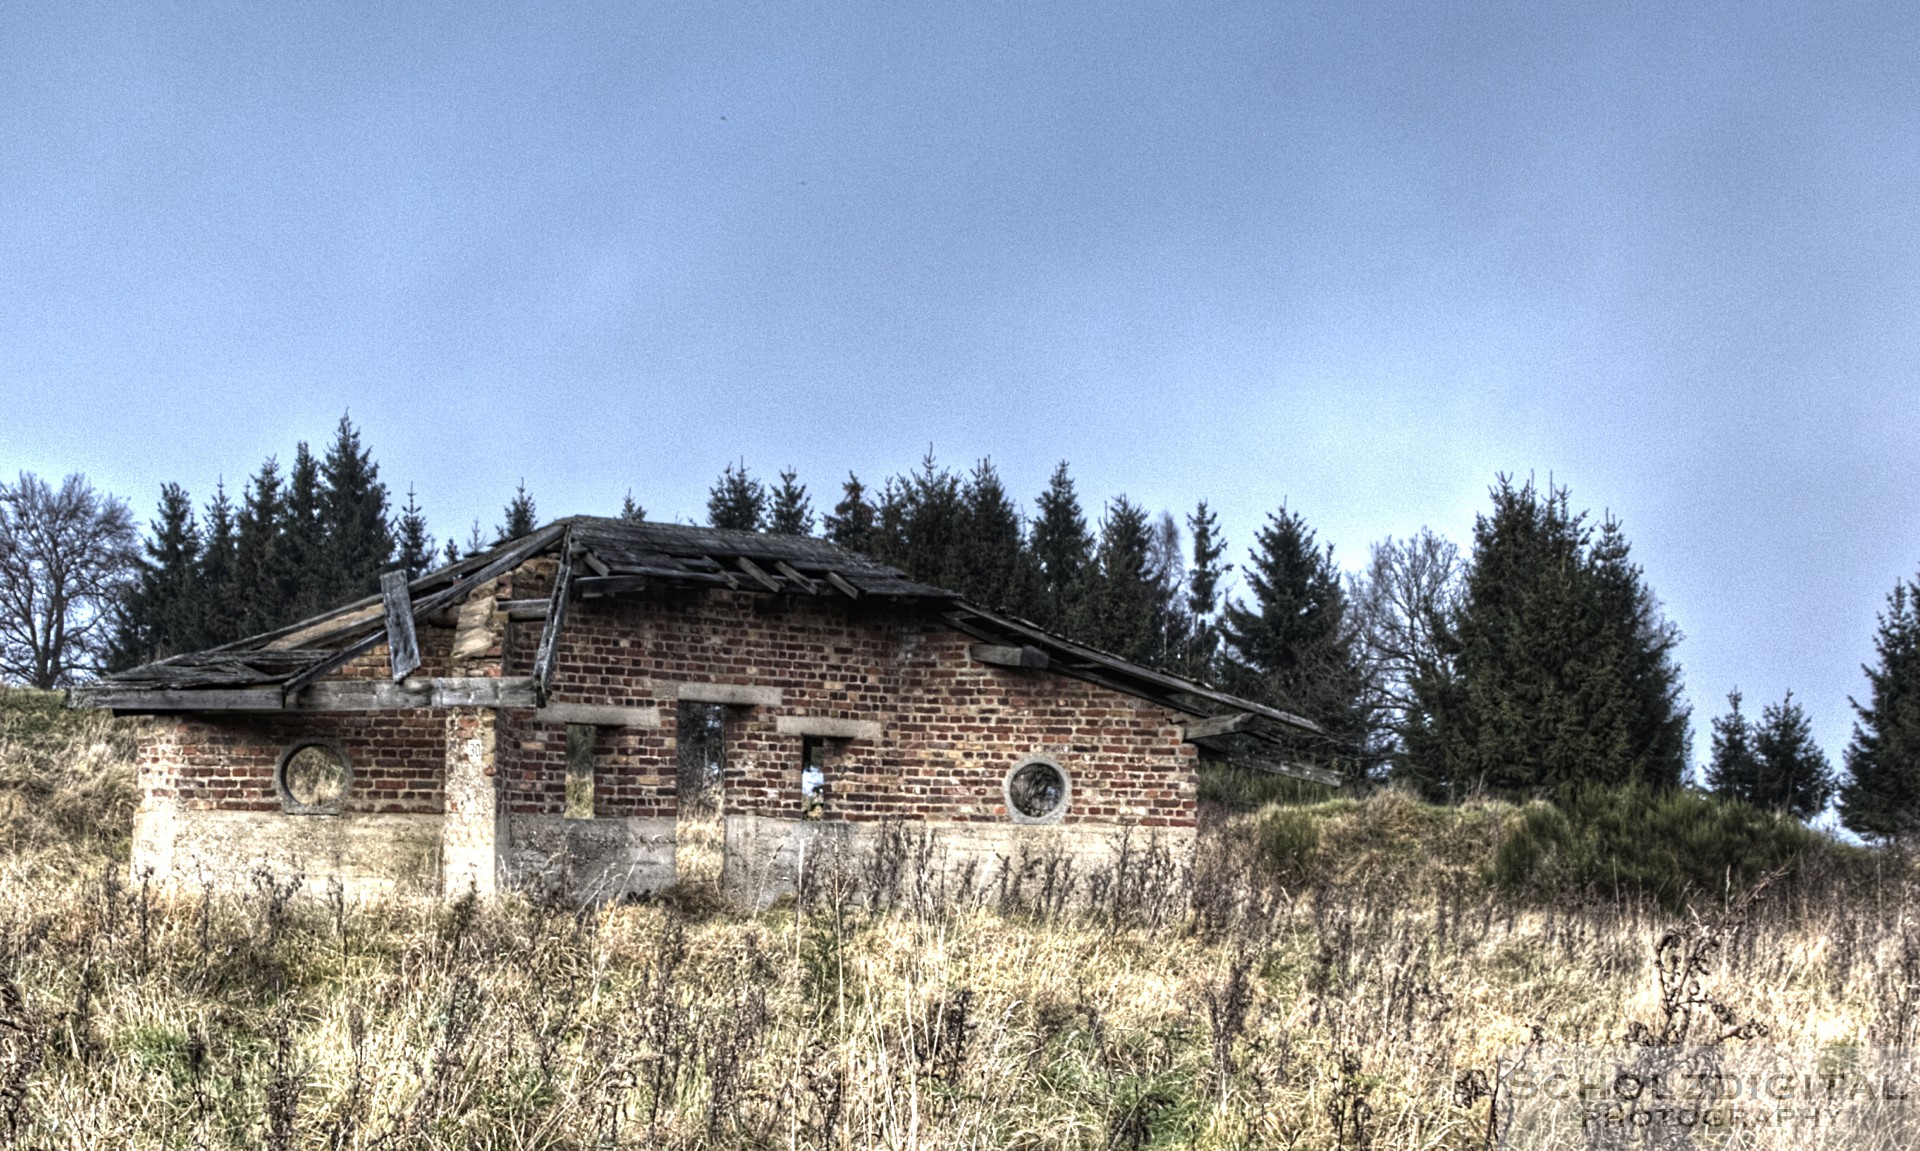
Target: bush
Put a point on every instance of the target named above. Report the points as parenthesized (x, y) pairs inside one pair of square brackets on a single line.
[(1677, 846)]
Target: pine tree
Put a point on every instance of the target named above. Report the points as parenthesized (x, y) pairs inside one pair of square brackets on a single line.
[(1556, 667), (1794, 775), (630, 511), (792, 513), (1733, 771), (992, 565), (1115, 609), (1203, 594), (451, 553), (353, 513), (850, 524), (1173, 623), (161, 618), (300, 580), (259, 600), (1062, 550), (416, 544), (931, 544), (521, 519), (214, 617), (1291, 646), (1880, 797), (737, 501)]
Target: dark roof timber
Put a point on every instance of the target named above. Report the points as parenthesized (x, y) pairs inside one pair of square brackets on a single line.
[(623, 556)]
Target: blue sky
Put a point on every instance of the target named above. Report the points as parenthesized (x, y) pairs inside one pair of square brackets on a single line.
[(1358, 258)]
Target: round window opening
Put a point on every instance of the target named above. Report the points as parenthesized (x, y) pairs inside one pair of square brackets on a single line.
[(313, 777), (1037, 792)]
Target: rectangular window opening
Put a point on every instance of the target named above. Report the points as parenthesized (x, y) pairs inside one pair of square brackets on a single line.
[(813, 777), (699, 827), (580, 740)]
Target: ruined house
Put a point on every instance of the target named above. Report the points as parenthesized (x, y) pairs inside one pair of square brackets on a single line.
[(514, 720)]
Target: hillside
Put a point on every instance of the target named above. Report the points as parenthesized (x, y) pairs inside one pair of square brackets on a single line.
[(1338, 975)]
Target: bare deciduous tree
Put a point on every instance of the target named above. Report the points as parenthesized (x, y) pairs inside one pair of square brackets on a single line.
[(65, 557), (1397, 604)]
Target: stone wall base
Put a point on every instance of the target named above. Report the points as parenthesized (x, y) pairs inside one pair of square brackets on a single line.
[(766, 857), (588, 860), (371, 855)]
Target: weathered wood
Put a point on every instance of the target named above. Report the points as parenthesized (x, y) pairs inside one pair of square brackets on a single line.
[(362, 695), (599, 715), (728, 577), (327, 630), (1202, 727), (403, 650), (543, 659), (827, 727), (593, 586), (760, 577), (121, 700), (522, 610), (502, 563), (1002, 655), (594, 563), (1275, 767), (841, 585), (788, 570)]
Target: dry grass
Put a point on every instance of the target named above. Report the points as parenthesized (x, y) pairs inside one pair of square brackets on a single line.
[(1229, 1005)]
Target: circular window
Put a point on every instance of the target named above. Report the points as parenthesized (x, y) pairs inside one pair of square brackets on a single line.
[(1037, 792), (313, 777)]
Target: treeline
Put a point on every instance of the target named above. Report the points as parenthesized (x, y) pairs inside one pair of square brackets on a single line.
[(1535, 663)]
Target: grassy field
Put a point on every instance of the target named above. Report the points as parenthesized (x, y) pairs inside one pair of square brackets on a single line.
[(1340, 975)]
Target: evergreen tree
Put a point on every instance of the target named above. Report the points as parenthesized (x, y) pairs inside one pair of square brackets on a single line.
[(521, 519), (298, 580), (1794, 775), (1733, 772), (1556, 667), (353, 513), (416, 544), (888, 539), (1062, 550), (932, 525), (259, 600), (1203, 594), (161, 617), (451, 553), (1291, 646), (792, 513), (850, 524), (1880, 797), (1115, 611), (1173, 623), (477, 541), (630, 511), (214, 617), (992, 563), (737, 501)]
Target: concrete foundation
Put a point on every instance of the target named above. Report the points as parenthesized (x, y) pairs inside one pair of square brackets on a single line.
[(767, 857), (372, 856), (588, 860)]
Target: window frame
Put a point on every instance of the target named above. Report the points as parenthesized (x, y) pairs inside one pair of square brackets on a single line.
[(290, 803), (1055, 814)]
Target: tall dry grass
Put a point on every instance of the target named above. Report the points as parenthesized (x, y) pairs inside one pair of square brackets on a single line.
[(1361, 1001)]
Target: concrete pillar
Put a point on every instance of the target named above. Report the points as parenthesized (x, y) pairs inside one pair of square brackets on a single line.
[(470, 834)]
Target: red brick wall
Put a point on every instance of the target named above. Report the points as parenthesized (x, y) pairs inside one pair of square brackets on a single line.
[(398, 758), (952, 727)]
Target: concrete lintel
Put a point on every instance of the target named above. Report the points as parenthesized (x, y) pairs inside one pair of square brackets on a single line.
[(828, 728), (737, 694), (599, 715)]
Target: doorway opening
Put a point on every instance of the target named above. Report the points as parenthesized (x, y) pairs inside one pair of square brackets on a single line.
[(699, 833)]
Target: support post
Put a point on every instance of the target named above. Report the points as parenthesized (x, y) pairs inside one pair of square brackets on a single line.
[(470, 831)]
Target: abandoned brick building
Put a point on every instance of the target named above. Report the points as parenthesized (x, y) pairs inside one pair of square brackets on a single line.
[(515, 720)]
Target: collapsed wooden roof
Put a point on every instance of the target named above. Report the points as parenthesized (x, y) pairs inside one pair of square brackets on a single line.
[(280, 669)]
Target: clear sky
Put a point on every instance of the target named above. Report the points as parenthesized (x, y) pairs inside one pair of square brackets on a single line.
[(1356, 257)]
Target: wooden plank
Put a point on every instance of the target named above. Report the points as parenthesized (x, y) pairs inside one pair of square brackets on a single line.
[(543, 659), (223, 699), (593, 563), (591, 586), (504, 562), (403, 650), (753, 569), (1304, 771), (1204, 726), (731, 581), (1003, 655), (363, 695), (521, 610), (841, 585), (792, 573), (485, 691)]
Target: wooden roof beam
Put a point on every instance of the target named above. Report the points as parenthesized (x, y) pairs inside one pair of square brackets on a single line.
[(760, 577), (786, 569)]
